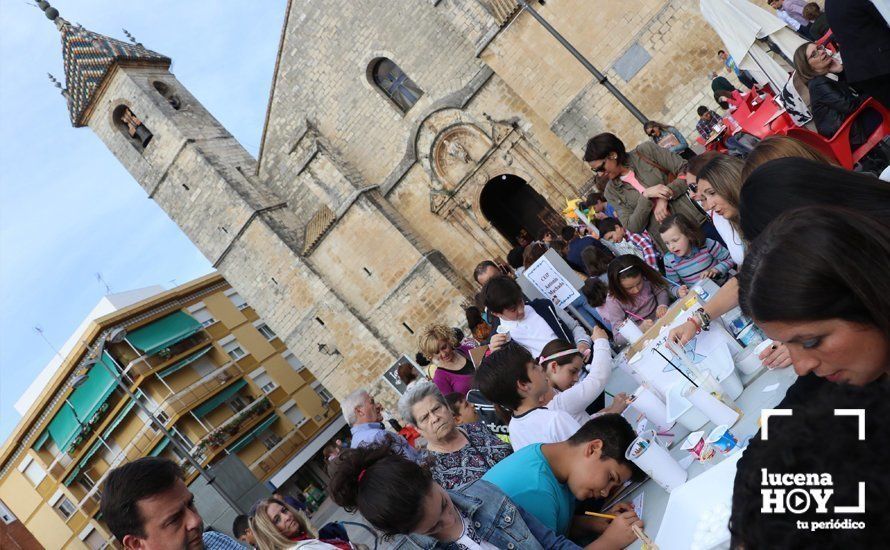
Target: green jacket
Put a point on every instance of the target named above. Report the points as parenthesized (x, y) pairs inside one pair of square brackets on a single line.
[(634, 210)]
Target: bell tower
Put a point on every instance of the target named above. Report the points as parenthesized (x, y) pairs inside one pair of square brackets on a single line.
[(289, 252)]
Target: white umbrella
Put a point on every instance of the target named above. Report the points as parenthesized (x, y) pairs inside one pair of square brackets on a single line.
[(740, 25)]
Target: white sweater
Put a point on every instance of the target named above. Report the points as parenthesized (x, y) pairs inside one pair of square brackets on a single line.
[(577, 398)]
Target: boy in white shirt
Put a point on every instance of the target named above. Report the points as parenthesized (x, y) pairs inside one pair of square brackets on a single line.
[(532, 325), (511, 378)]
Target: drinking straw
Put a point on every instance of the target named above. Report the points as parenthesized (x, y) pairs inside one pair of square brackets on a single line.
[(676, 368), (599, 515), (635, 316)]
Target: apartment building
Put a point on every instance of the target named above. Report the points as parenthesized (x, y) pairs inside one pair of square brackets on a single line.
[(217, 380)]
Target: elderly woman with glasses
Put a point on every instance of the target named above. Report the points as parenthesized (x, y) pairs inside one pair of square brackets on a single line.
[(642, 185), (455, 455)]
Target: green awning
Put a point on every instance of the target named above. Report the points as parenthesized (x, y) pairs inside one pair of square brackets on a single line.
[(249, 436), (164, 332), (219, 398), (160, 447), (190, 359), (41, 440), (82, 404)]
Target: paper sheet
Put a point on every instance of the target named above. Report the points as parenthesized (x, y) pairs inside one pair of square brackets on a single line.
[(638, 504)]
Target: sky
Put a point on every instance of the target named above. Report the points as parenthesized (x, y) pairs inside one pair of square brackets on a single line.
[(68, 209)]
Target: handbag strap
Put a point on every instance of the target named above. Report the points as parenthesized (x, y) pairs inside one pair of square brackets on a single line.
[(671, 175)]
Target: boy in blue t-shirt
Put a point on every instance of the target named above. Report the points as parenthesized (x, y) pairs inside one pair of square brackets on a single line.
[(546, 479)]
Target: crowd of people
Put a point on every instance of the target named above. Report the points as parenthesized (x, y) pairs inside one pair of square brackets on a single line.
[(798, 242), (509, 447)]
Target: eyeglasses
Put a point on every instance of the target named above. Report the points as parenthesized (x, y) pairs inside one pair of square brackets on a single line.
[(819, 49)]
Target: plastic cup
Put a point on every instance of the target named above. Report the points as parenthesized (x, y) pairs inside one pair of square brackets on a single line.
[(654, 459), (630, 331), (653, 408), (716, 410), (749, 361)]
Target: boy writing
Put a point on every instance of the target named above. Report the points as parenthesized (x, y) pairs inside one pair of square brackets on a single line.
[(546, 480)]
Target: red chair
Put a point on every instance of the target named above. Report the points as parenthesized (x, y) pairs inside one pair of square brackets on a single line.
[(838, 146), (827, 40)]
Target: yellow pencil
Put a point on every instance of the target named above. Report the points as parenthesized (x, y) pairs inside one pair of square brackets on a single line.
[(598, 515)]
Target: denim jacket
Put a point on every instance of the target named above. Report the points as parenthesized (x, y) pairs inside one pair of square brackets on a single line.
[(496, 519)]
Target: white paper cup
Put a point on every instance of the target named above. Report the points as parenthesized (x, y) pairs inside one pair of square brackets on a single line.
[(732, 385), (716, 411), (653, 408), (749, 360), (681, 410), (656, 461), (630, 331)]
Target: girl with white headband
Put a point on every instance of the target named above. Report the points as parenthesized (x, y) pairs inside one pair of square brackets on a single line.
[(563, 364)]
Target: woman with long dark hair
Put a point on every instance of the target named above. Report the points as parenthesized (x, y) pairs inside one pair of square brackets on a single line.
[(779, 186), (816, 280)]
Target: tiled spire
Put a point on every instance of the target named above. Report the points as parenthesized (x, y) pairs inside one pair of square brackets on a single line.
[(88, 58)]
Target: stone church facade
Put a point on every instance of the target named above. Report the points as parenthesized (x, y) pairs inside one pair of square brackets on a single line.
[(396, 134)]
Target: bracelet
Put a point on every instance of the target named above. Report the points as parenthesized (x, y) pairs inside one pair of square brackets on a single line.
[(695, 323), (703, 320)]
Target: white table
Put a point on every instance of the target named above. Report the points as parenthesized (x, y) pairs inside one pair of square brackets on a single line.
[(752, 400)]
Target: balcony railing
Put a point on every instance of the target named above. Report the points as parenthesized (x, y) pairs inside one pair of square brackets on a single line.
[(184, 399), (146, 364), (277, 454), (139, 446), (226, 431)]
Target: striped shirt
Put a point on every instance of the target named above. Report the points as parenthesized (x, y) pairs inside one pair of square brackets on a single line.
[(688, 269)]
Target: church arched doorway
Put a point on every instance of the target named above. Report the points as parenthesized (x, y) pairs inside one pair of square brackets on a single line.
[(513, 207)]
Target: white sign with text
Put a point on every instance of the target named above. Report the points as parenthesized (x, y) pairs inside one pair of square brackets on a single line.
[(552, 284)]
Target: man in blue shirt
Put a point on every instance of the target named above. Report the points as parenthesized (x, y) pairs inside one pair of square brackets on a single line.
[(365, 417)]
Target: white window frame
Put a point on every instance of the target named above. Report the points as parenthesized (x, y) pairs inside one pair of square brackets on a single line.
[(6, 514), (262, 379), (289, 354), (37, 475), (200, 310), (60, 508), (229, 345), (237, 300), (318, 389), (285, 409), (260, 325)]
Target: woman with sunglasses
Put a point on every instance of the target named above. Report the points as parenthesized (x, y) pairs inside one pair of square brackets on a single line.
[(642, 184), (832, 100)]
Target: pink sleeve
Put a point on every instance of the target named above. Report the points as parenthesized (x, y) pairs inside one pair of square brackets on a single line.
[(443, 381), (612, 311)]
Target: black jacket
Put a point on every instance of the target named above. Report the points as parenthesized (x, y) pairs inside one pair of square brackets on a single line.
[(863, 37), (831, 103)]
